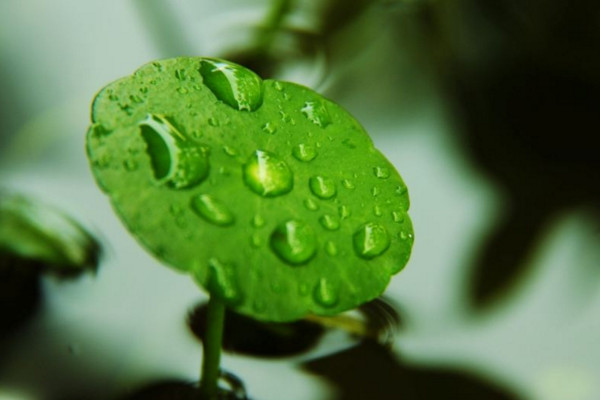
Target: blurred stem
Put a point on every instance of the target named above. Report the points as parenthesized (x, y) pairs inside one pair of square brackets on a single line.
[(272, 24), (215, 320)]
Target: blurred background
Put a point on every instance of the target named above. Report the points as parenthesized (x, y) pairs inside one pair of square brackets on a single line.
[(487, 109)]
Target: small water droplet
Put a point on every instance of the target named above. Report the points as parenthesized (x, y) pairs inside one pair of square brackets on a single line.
[(377, 211), (404, 235), (374, 191), (181, 74), (267, 175), (304, 152), (130, 165), (212, 121), (311, 205), (182, 90), (294, 242), (176, 161), (316, 113), (348, 184), (371, 240), (136, 99), (258, 221), (126, 108), (221, 281), (144, 89), (157, 66), (401, 190), (269, 128), (277, 86), (255, 240), (212, 210), (331, 248), (381, 172), (398, 216), (287, 118), (322, 187), (325, 293), (233, 84), (344, 212), (329, 222), (230, 151)]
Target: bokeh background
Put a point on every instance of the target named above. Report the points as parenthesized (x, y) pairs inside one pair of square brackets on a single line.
[(489, 110)]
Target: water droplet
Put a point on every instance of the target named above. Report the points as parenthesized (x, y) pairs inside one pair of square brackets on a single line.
[(381, 172), (404, 235), (258, 221), (255, 240), (294, 242), (304, 152), (130, 165), (136, 99), (233, 84), (212, 121), (176, 161), (267, 175), (398, 216), (277, 86), (371, 240), (348, 184), (329, 222), (182, 90), (212, 210), (374, 191), (326, 294), (287, 118), (311, 205), (157, 66), (401, 190), (331, 248), (181, 74), (269, 128), (144, 89), (316, 113), (322, 187), (377, 211), (221, 281), (230, 151), (344, 212)]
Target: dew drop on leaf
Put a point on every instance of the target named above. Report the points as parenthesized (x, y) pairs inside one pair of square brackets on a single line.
[(398, 216), (269, 128), (267, 175), (381, 172), (322, 187), (325, 293), (331, 248), (304, 152), (212, 210), (311, 205), (348, 184), (316, 113), (176, 161), (130, 165), (343, 212), (222, 282), (329, 222), (258, 221), (371, 240), (233, 84), (294, 242)]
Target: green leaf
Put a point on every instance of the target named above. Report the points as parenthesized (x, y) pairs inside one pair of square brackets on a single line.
[(33, 231), (271, 196)]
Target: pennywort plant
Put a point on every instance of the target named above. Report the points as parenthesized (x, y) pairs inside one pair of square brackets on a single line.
[(271, 197)]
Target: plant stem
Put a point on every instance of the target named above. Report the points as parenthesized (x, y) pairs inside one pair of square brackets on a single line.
[(215, 320)]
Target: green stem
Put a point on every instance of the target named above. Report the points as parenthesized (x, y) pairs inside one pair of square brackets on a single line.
[(215, 320), (272, 24)]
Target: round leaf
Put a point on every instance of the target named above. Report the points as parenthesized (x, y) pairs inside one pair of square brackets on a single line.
[(272, 197)]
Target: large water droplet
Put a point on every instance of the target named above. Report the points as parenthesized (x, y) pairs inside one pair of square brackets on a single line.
[(267, 175), (316, 113), (294, 242), (176, 161), (371, 240), (212, 210), (322, 187), (304, 152), (325, 293), (233, 84), (329, 222), (221, 281)]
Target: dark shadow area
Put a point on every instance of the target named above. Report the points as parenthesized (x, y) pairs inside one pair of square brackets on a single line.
[(370, 371), (523, 78), (245, 335)]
